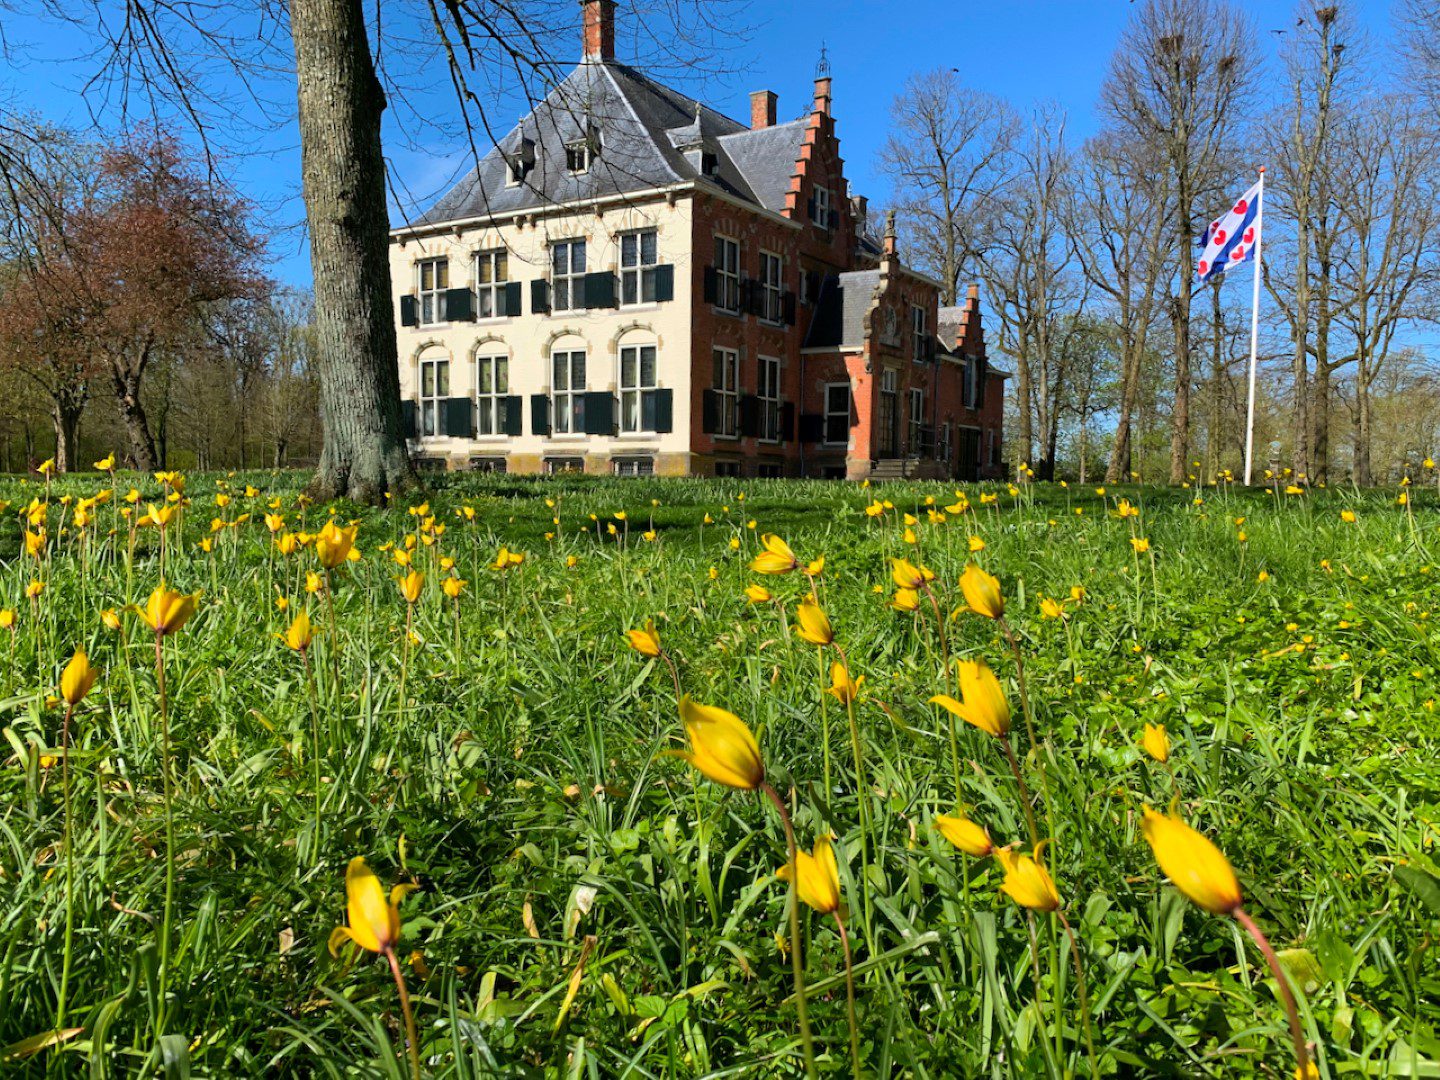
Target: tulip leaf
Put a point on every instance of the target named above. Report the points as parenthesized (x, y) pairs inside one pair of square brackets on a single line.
[(35, 1043), (1426, 887)]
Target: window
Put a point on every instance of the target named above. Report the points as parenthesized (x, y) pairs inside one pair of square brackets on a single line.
[(769, 470), (919, 333), (970, 395), (492, 271), (434, 280), (633, 466), (567, 275), (727, 391), (822, 216), (769, 399), (837, 413), (637, 374), (488, 464), (492, 384), (772, 287), (944, 450), (917, 420), (889, 418), (727, 275), (577, 157), (637, 255), (727, 468), (567, 392), (807, 294), (554, 465), (434, 389)]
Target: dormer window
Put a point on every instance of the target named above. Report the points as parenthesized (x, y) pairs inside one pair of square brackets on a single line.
[(577, 157), (519, 163)]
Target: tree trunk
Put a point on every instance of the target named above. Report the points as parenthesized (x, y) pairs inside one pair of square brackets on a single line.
[(66, 414), (1024, 415), (137, 426), (1320, 423), (1180, 411), (1362, 426), (343, 172), (1118, 469)]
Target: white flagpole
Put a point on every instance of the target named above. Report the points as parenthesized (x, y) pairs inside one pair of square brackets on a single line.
[(1254, 335)]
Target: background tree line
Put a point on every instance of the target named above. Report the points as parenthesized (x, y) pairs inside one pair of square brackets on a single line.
[(1123, 365)]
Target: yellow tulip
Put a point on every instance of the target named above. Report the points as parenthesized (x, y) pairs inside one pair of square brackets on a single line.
[(333, 544), (983, 701), (814, 626), (842, 686), (105, 464), (972, 839), (815, 567), (1156, 742), (300, 633), (982, 592), (757, 594), (77, 678), (410, 586), (722, 748), (975, 543), (374, 920), (1141, 544), (777, 558), (158, 515), (274, 522), (906, 575), (167, 611), (906, 600), (646, 642), (453, 586), (35, 543), (110, 618), (1347, 516), (1051, 608), (34, 589), (1197, 867), (287, 543), (7, 619), (817, 877), (1027, 882)]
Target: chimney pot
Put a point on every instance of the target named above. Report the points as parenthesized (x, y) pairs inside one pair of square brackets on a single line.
[(599, 23), (762, 109)]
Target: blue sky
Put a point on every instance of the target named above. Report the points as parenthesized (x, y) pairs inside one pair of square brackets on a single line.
[(1024, 50)]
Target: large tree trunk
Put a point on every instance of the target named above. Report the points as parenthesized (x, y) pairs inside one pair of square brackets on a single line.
[(1362, 428), (1180, 410), (137, 426), (66, 414), (1023, 412), (1118, 469), (343, 171)]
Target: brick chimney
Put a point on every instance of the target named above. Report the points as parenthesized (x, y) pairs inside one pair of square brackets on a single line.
[(599, 29), (822, 96), (762, 109)]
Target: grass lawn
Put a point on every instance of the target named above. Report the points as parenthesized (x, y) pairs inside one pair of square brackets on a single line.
[(588, 906)]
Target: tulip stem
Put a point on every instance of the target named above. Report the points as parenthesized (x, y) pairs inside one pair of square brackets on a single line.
[(797, 959), (69, 868), (824, 722), (1029, 712), (314, 747), (405, 1009), (850, 996), (674, 674), (1292, 1014), (168, 787), (1081, 990), (862, 792), (1024, 792)]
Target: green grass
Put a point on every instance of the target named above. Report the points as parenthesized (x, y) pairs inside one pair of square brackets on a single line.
[(521, 785)]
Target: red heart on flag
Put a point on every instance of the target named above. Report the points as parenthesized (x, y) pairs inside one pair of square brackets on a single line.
[(1241, 207), (1204, 267), (1237, 254), (1250, 235), (1220, 235)]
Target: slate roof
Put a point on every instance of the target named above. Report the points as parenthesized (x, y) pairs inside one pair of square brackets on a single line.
[(840, 310), (649, 136)]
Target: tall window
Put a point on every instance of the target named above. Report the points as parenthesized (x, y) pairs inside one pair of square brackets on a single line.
[(917, 420), (727, 389), (889, 418), (567, 392), (837, 413), (434, 280), (492, 384), (434, 389), (772, 287), (822, 208), (637, 255), (769, 399), (919, 333), (567, 275), (577, 157), (727, 275), (943, 449), (637, 374), (492, 271)]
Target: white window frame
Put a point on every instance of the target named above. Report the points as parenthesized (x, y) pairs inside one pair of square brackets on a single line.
[(632, 389), (634, 267), (768, 391), (578, 157), (492, 370), (430, 297), (725, 379), (772, 287), (567, 401), (823, 207), (555, 465), (943, 449), (573, 277), (888, 427), (637, 465), (971, 386), (831, 412), (727, 275), (919, 331), (488, 293), (917, 417), (430, 399)]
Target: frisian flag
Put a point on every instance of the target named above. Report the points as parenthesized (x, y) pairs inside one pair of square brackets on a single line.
[(1231, 238)]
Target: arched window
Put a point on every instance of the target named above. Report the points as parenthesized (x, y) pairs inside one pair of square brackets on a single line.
[(638, 374), (434, 389), (492, 387)]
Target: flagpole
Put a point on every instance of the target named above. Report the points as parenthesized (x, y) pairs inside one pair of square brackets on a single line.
[(1254, 334)]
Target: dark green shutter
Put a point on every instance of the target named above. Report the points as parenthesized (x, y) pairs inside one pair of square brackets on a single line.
[(459, 305), (409, 316), (749, 415), (787, 308), (664, 283), (407, 417), (710, 412), (657, 411), (600, 290), (981, 378), (510, 299), (513, 408), (711, 290), (787, 420), (460, 417), (812, 427), (599, 412), (539, 296), (539, 414)]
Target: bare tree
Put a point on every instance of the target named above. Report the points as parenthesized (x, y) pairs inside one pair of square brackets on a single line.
[(947, 155), (1179, 83)]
